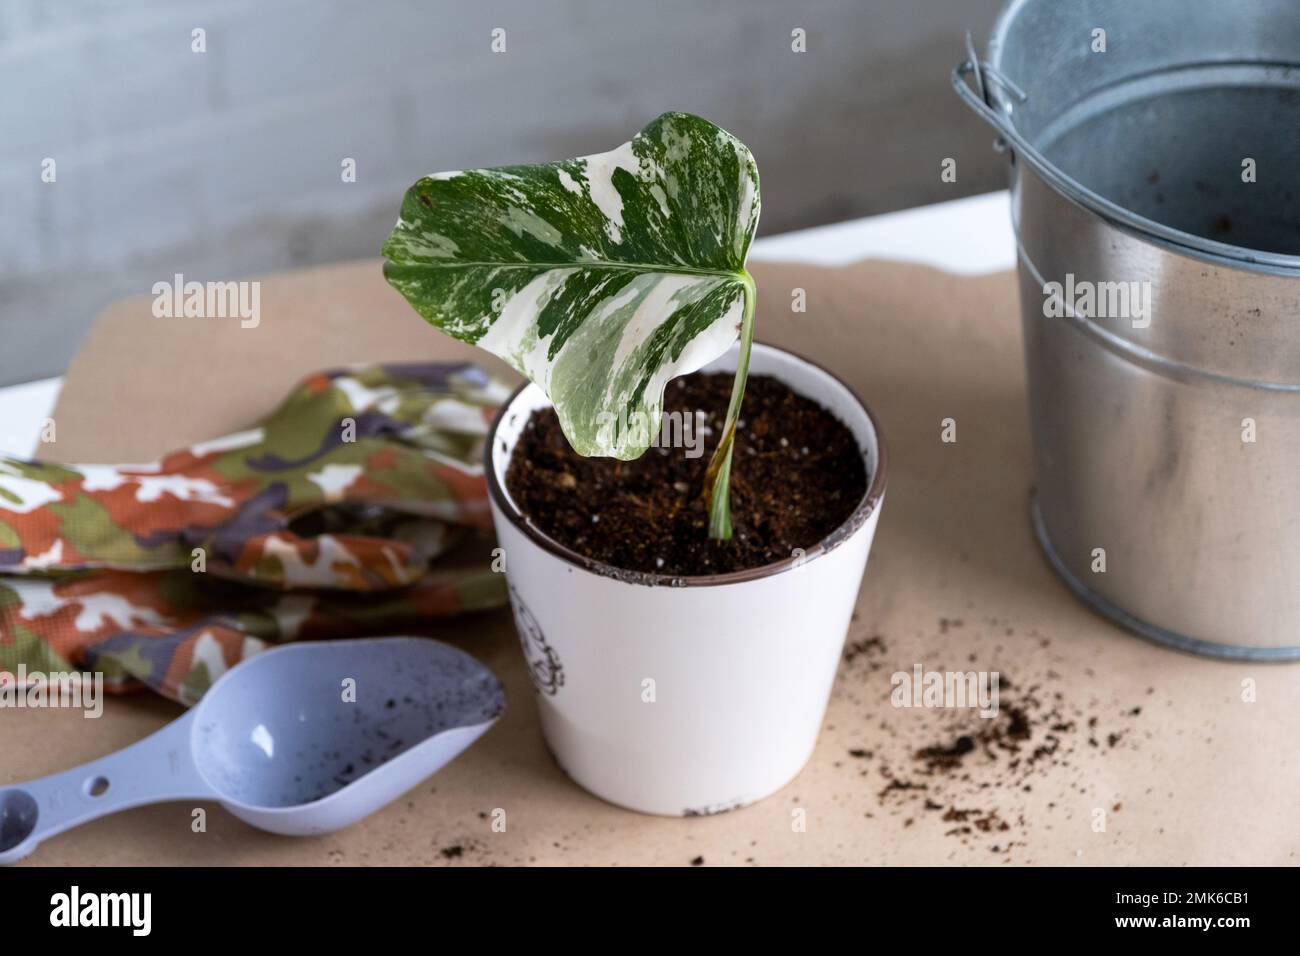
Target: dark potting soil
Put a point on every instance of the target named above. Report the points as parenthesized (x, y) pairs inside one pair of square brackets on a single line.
[(797, 474)]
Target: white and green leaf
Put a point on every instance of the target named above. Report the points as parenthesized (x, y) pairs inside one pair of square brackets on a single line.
[(599, 278)]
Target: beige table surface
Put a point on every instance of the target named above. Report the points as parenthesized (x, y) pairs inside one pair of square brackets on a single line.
[(1159, 747)]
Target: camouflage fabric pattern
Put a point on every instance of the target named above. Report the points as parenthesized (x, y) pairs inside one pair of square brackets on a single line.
[(348, 511)]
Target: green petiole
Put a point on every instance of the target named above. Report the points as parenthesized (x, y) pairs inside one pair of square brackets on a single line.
[(717, 479)]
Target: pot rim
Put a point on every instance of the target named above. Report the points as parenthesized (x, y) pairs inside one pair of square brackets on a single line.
[(857, 518)]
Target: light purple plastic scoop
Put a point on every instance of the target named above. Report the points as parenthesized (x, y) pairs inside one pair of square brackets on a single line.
[(283, 742)]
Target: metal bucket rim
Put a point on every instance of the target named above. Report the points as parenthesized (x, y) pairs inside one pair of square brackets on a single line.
[(1174, 240)]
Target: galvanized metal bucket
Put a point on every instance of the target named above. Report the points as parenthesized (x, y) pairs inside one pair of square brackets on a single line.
[(1155, 176)]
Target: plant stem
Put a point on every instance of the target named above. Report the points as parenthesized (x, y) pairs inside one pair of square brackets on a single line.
[(717, 479)]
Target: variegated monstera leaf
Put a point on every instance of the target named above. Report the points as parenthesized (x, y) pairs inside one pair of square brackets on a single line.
[(599, 278)]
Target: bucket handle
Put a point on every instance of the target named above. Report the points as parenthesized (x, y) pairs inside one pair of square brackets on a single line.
[(978, 98)]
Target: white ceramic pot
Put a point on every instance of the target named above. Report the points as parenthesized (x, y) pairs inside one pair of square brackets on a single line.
[(741, 664)]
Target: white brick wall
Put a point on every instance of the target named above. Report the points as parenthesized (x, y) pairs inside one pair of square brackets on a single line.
[(227, 163)]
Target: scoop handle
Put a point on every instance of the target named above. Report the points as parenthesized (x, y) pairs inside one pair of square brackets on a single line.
[(158, 768)]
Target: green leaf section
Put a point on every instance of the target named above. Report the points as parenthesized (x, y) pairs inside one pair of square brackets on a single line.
[(599, 278)]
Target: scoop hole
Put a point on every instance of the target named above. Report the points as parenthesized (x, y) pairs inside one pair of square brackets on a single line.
[(96, 786)]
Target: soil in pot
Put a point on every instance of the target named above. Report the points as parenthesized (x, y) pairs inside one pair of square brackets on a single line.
[(797, 474)]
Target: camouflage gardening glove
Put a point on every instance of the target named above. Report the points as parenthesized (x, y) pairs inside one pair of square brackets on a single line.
[(320, 522)]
